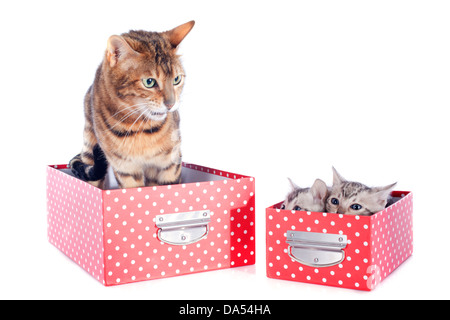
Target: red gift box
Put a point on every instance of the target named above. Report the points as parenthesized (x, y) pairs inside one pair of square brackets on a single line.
[(348, 251), (126, 235)]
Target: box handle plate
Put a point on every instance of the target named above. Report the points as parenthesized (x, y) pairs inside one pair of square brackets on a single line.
[(183, 228), (316, 249)]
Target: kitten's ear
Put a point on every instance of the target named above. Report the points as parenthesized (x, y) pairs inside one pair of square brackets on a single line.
[(176, 35), (384, 190), (337, 178), (117, 49), (383, 193), (319, 190), (293, 185)]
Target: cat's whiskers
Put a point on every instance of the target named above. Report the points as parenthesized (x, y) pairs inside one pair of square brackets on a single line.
[(129, 114), (129, 131), (123, 109)]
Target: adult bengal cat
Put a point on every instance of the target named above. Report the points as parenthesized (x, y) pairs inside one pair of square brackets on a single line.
[(131, 117)]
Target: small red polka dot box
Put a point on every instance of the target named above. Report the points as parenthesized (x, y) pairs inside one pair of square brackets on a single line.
[(331, 249), (127, 235)]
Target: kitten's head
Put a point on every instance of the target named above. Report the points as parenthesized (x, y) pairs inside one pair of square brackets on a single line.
[(306, 199), (348, 197), (144, 72)]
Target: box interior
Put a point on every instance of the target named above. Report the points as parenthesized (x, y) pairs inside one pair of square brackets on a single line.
[(395, 196), (188, 175)]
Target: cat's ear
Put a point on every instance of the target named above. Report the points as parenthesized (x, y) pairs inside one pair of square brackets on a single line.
[(386, 190), (293, 185), (383, 193), (176, 35), (118, 49), (319, 191), (337, 178)]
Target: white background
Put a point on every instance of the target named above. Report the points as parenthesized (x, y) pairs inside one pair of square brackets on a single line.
[(273, 89)]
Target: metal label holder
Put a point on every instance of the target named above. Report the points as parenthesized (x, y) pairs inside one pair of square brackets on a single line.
[(183, 228), (316, 249)]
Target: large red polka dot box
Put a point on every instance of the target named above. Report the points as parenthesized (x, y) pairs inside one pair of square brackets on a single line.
[(331, 249), (125, 235)]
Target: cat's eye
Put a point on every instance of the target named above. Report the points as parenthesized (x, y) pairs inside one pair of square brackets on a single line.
[(356, 206), (297, 208), (335, 201), (149, 82), (283, 206), (177, 80)]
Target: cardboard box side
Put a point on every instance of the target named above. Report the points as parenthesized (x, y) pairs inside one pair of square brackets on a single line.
[(75, 222), (392, 238), (242, 224), (348, 274), (133, 251)]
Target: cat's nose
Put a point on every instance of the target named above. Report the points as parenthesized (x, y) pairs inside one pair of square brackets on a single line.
[(169, 99), (169, 104)]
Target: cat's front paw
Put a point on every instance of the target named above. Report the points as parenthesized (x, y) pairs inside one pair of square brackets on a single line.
[(78, 168)]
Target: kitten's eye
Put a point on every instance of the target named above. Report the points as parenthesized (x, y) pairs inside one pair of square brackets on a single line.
[(335, 201), (149, 82), (283, 206), (297, 208), (177, 80), (356, 206)]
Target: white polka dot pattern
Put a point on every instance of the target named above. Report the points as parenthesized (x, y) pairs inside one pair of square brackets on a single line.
[(377, 244), (120, 231), (74, 218)]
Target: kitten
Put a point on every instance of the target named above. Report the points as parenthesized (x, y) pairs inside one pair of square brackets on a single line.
[(131, 117), (347, 197), (306, 199)]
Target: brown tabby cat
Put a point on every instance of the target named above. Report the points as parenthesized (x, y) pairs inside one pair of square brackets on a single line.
[(132, 122), (306, 199), (347, 197)]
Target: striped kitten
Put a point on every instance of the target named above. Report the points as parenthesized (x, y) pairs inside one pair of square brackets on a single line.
[(306, 199), (347, 197), (131, 117)]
